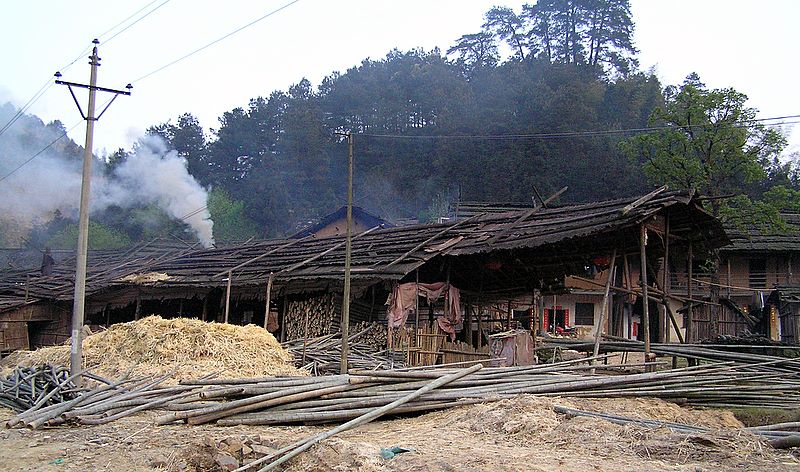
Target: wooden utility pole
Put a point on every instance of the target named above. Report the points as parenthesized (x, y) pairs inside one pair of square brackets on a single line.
[(347, 253), (645, 300), (79, 300)]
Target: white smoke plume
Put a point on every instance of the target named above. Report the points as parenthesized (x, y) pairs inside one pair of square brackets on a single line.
[(52, 180), (155, 174)]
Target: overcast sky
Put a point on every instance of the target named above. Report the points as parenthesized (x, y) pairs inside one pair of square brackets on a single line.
[(746, 44)]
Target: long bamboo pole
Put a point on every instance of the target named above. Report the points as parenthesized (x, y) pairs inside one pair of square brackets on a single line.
[(645, 300), (268, 297), (372, 415), (604, 309)]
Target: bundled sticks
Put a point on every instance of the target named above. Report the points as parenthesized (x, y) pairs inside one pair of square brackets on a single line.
[(338, 398), (321, 355), (43, 385)]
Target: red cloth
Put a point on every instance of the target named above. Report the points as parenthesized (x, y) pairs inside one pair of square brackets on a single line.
[(402, 302)]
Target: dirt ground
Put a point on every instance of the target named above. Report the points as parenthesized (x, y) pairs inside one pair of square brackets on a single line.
[(523, 433)]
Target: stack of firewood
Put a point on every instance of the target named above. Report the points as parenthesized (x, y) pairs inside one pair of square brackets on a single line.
[(374, 334), (311, 317)]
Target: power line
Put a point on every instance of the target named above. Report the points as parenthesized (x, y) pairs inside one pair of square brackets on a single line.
[(39, 153), (46, 86), (133, 23), (226, 36), (573, 134)]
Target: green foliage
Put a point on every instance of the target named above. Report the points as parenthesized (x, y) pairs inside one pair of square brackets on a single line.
[(710, 143), (100, 237), (230, 222)]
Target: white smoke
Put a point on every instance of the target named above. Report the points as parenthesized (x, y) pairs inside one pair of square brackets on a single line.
[(31, 192), (155, 174)]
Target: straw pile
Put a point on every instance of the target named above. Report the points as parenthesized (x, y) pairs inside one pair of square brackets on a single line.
[(153, 346)]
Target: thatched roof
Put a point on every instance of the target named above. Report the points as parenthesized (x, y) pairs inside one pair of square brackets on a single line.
[(516, 249)]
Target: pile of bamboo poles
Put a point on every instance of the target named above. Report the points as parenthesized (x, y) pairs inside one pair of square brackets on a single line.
[(337, 398), (322, 355), (699, 352), (27, 387)]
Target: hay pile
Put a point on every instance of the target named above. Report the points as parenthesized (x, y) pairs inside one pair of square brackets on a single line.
[(153, 346)]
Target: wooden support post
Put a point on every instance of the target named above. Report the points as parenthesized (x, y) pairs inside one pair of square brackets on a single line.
[(228, 297), (729, 276), (468, 323), (107, 314), (645, 300), (690, 308), (416, 313), (371, 317), (663, 322), (204, 315), (305, 337), (138, 309), (604, 309), (509, 315), (345, 323), (268, 297), (283, 316), (480, 325)]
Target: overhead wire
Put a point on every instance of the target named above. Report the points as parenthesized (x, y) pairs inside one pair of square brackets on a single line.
[(106, 41), (46, 86), (226, 36), (575, 134), (48, 146), (49, 83)]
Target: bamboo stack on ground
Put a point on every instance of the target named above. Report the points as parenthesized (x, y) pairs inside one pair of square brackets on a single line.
[(338, 398), (321, 355)]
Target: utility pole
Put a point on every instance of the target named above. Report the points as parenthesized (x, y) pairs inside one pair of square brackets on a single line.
[(76, 357), (347, 253)]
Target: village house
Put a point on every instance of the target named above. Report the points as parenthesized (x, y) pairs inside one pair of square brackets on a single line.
[(508, 270)]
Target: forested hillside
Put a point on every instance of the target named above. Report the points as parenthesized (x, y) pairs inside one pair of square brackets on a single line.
[(424, 121), (538, 99)]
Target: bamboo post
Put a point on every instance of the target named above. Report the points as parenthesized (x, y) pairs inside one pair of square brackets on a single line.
[(228, 297), (480, 325), (376, 413), (268, 296), (604, 309), (305, 337), (690, 310), (416, 313), (645, 300), (664, 321), (283, 315), (728, 260), (345, 324)]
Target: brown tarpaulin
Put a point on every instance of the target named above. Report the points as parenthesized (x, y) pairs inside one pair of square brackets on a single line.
[(402, 302)]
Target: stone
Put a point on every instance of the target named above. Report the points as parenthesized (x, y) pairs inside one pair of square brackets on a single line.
[(226, 461)]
